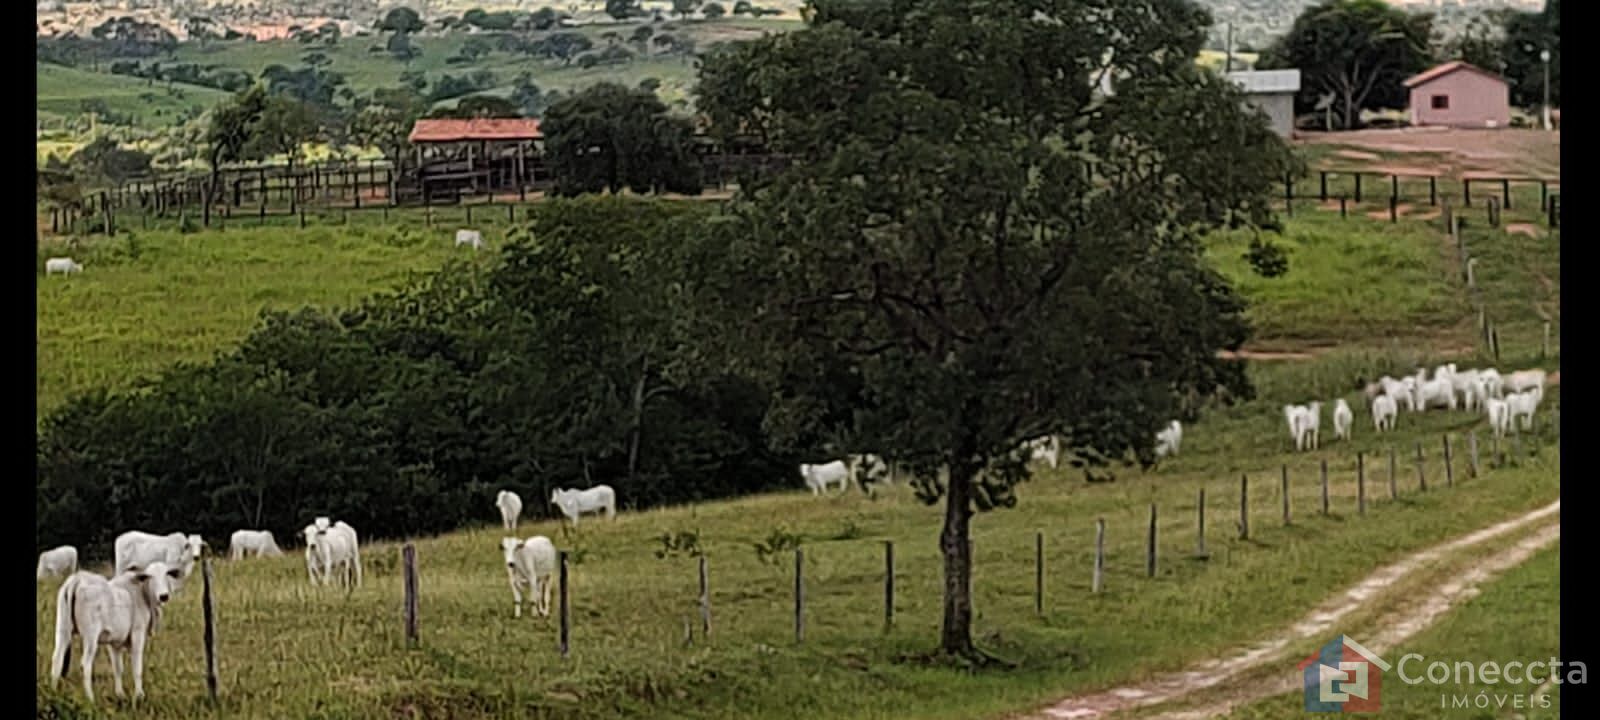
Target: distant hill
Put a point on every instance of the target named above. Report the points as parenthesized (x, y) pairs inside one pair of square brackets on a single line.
[(67, 92)]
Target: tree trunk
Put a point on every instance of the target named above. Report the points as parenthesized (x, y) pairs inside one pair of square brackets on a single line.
[(956, 637), (638, 419)]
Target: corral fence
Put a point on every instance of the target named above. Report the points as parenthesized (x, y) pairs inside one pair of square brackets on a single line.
[(1344, 490), (1352, 189)]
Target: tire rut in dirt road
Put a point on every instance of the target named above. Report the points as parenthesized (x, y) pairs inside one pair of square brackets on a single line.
[(1386, 634), (1213, 673)]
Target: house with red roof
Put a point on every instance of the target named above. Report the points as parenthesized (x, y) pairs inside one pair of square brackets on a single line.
[(1458, 94)]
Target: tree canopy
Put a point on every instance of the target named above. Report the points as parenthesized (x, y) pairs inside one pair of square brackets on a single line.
[(1358, 50), (1527, 35), (972, 247), (610, 137)]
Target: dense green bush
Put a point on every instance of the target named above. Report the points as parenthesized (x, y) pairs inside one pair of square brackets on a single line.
[(556, 366)]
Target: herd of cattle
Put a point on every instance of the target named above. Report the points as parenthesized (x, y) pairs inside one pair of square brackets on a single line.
[(1507, 399), (122, 612)]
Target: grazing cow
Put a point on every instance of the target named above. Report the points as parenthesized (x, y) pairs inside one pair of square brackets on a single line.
[(1384, 411), (333, 549), (530, 563), (1342, 418), (1045, 449), (57, 561), (177, 550), (469, 237), (257, 542), (121, 614), (1436, 391), (574, 503), (1499, 416), (510, 505), (1305, 422), (62, 265), (819, 477), (1169, 439)]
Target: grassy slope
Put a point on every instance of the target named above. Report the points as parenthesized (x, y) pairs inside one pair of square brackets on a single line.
[(185, 296), (630, 606), (62, 91)]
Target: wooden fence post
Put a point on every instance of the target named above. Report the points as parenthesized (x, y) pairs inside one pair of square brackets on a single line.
[(1150, 545), (1324, 486), (799, 596), (408, 555), (888, 584), (1422, 478), (1449, 472), (705, 600), (1038, 573), (1472, 454), (1099, 554), (1285, 493), (211, 628), (566, 605), (1361, 484), (1394, 482), (1342, 209), (1200, 530), (1244, 507)]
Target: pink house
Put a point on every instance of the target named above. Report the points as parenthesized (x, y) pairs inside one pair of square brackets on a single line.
[(1459, 95)]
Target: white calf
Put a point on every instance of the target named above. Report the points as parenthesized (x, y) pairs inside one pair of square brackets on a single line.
[(257, 542), (1342, 417), (65, 266), (1384, 412), (469, 237), (121, 613), (1169, 439), (1499, 416), (530, 563), (57, 561), (333, 549), (1521, 405), (176, 550), (1436, 391), (819, 477), (510, 505), (574, 503)]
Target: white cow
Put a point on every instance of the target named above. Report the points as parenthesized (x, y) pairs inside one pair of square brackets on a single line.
[(510, 505), (1521, 406), (1524, 380), (1169, 439), (1384, 411), (1439, 390), (62, 265), (1305, 424), (1398, 390), (1342, 418), (530, 563), (574, 503), (177, 550), (1499, 416), (1045, 449), (333, 549), (121, 614), (57, 561), (257, 542), (819, 477), (1492, 382), (469, 237)]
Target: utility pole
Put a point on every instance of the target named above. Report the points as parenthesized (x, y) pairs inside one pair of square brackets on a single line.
[(1227, 63), (1544, 57)]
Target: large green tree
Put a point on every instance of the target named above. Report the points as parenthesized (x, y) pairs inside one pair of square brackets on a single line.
[(986, 250), (611, 137), (1360, 51), (1527, 35)]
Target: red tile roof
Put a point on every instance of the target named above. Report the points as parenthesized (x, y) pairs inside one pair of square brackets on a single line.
[(1439, 71), (443, 130)]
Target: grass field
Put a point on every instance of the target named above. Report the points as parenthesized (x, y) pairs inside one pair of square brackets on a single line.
[(1367, 296), (148, 299), (63, 90)]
